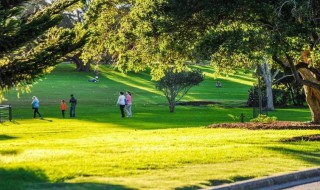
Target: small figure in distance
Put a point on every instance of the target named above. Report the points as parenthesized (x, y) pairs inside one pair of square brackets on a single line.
[(63, 107), (35, 107), (95, 79), (218, 84), (122, 103), (73, 103)]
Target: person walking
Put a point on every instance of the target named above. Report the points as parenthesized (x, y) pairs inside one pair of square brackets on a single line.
[(73, 102), (122, 103), (63, 107), (35, 107), (129, 104)]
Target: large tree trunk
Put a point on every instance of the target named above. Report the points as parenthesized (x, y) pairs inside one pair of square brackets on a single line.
[(270, 105), (79, 63), (312, 95), (266, 73)]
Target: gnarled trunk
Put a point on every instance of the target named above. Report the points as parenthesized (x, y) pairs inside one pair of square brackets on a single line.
[(313, 100), (80, 66), (312, 95)]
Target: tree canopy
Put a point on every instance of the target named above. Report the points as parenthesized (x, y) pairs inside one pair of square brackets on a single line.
[(242, 33), (126, 31), (31, 42), (176, 85), (162, 34)]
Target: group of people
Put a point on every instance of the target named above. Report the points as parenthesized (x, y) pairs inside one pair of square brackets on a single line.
[(63, 106), (125, 103)]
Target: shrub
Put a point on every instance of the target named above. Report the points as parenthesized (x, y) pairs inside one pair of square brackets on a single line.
[(264, 119)]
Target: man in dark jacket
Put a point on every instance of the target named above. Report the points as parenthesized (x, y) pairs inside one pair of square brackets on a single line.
[(73, 103)]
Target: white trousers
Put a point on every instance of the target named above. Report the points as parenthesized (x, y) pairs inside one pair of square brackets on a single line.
[(128, 110)]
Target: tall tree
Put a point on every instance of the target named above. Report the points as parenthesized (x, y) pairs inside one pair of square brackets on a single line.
[(241, 33), (268, 78), (30, 41)]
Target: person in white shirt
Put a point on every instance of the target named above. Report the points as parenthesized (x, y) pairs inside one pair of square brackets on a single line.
[(122, 103)]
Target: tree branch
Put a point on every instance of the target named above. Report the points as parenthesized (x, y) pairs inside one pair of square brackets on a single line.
[(297, 77), (285, 76)]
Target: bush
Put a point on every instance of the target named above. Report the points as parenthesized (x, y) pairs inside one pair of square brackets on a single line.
[(280, 97), (264, 119), (253, 97)]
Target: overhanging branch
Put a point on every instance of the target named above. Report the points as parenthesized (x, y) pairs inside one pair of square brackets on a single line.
[(297, 77)]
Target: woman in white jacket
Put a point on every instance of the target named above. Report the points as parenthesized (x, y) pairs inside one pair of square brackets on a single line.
[(122, 103)]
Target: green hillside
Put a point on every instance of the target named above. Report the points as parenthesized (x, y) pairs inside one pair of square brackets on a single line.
[(154, 149), (97, 101)]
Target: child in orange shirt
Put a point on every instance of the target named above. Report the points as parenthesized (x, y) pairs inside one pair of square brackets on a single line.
[(63, 107)]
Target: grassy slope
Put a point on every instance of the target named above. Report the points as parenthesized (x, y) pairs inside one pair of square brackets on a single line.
[(99, 150)]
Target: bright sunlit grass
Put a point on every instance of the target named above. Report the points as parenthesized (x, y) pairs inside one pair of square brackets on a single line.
[(154, 149), (75, 151)]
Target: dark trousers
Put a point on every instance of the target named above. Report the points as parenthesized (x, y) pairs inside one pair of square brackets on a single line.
[(72, 111), (35, 111), (122, 110), (63, 113)]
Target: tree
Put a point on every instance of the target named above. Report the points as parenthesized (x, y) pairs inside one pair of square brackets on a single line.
[(233, 34), (175, 85), (268, 78), (240, 33), (31, 42), (289, 89)]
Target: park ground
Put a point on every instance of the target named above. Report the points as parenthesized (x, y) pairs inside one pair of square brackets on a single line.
[(154, 149)]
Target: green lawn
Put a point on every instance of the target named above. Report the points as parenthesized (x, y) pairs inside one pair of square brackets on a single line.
[(154, 149)]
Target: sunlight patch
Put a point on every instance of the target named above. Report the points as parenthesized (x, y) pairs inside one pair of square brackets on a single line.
[(35, 155)]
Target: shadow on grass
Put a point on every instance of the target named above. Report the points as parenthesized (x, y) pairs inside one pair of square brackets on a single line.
[(78, 186), (6, 137), (48, 120), (9, 152), (24, 178), (159, 117), (215, 182), (307, 156), (18, 177)]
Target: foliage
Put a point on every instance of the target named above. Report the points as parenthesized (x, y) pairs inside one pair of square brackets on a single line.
[(289, 94), (232, 34), (253, 96), (283, 95), (176, 85), (264, 119), (31, 43), (241, 33), (293, 91), (126, 31)]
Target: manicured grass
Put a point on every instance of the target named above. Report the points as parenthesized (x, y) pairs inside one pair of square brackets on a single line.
[(153, 150)]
